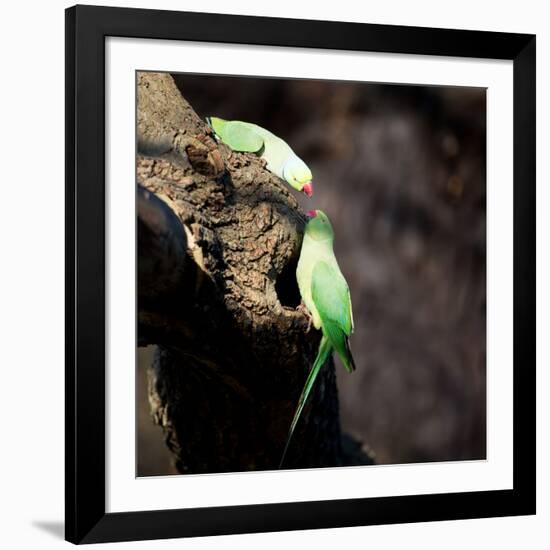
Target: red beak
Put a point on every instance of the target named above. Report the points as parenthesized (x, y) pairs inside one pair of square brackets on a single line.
[(311, 213), (308, 189)]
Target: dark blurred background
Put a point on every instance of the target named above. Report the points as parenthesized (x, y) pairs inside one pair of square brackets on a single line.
[(400, 171)]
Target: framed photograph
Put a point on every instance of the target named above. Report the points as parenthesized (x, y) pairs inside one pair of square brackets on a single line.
[(300, 274)]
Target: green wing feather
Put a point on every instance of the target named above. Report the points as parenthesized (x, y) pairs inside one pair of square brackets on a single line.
[(322, 355), (240, 136), (330, 294)]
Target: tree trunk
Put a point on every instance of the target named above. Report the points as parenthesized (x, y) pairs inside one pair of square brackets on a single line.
[(218, 242)]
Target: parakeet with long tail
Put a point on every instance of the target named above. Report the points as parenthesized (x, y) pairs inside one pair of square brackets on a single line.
[(281, 159), (326, 295)]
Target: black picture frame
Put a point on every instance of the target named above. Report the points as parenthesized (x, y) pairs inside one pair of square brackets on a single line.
[(86, 520)]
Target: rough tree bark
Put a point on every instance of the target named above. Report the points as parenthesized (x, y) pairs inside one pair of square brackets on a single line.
[(218, 241)]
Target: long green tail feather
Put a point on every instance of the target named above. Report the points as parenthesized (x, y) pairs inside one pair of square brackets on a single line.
[(325, 349)]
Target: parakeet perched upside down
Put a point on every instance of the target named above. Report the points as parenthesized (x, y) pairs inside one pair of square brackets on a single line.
[(281, 159), (326, 295)]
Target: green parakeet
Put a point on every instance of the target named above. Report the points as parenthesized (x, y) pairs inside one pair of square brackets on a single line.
[(326, 295), (281, 159)]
